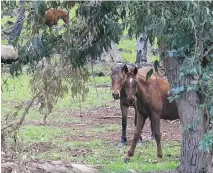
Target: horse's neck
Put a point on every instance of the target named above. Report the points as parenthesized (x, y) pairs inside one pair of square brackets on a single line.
[(123, 92), (141, 88)]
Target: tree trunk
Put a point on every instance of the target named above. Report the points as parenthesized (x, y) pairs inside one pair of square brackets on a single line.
[(19, 22), (192, 159), (142, 43)]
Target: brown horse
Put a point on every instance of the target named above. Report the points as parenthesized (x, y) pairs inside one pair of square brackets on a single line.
[(151, 101), (53, 15), (119, 92)]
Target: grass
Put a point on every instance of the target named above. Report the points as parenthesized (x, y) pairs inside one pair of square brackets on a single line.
[(129, 45)]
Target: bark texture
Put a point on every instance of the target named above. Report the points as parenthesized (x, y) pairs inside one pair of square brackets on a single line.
[(142, 43), (192, 159)]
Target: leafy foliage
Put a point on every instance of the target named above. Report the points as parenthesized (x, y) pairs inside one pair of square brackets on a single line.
[(149, 74), (206, 143), (48, 83)]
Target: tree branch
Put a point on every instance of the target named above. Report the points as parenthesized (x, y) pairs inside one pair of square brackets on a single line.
[(18, 123), (207, 52)]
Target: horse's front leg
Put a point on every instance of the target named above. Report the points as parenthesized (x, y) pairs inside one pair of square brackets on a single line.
[(139, 143), (138, 129), (124, 109)]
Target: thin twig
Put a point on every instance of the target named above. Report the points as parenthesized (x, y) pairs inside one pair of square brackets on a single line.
[(16, 24), (19, 123), (207, 52), (94, 80)]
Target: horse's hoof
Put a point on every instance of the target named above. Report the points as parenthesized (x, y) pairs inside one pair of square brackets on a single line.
[(126, 159), (121, 144)]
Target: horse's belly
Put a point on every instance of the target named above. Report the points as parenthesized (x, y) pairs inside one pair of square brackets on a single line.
[(170, 113)]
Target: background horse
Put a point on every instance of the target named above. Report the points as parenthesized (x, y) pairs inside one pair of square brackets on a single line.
[(119, 92), (151, 101), (53, 15)]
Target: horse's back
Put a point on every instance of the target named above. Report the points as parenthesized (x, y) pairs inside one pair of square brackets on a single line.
[(155, 92), (143, 72)]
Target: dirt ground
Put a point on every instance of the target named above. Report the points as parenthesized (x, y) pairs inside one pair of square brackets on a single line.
[(170, 130)]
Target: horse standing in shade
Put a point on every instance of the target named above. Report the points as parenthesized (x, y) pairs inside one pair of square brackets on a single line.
[(151, 101), (119, 92), (53, 15)]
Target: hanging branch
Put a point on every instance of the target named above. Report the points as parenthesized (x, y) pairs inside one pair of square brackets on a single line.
[(18, 26), (94, 80), (17, 123)]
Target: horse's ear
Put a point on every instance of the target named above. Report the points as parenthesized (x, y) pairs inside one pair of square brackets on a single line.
[(125, 69), (135, 70)]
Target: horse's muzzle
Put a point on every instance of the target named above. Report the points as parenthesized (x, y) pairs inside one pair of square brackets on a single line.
[(116, 96), (131, 101)]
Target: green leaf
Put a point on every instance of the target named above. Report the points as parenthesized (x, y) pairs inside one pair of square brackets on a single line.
[(130, 32), (149, 74), (204, 76), (171, 99), (172, 53), (191, 127), (12, 69), (190, 87), (181, 75), (156, 65), (207, 141), (123, 14), (194, 82)]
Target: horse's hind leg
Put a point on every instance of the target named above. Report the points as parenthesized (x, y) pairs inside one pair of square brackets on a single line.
[(155, 118), (124, 123), (152, 131)]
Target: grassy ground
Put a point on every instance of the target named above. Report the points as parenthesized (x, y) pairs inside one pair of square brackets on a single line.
[(59, 140)]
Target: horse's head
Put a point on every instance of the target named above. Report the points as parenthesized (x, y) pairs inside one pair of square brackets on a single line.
[(64, 16), (117, 77), (130, 84)]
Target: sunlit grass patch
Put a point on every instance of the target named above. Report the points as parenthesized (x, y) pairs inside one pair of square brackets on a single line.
[(129, 50), (155, 58)]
